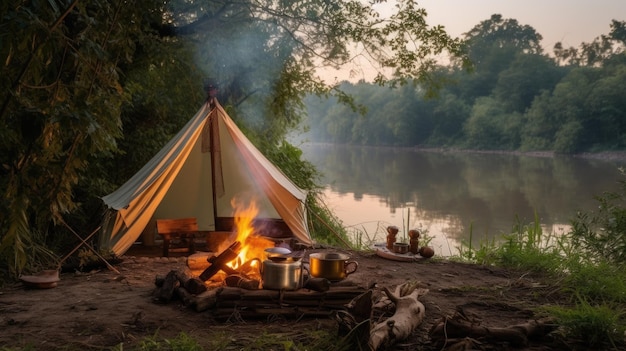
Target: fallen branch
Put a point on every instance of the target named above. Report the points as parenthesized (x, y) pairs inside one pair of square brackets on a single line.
[(459, 327)]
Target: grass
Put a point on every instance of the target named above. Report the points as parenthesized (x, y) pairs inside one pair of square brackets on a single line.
[(595, 288), (598, 326), (288, 341)]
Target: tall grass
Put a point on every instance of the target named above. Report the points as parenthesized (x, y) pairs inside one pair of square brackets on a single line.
[(594, 285), (596, 325)]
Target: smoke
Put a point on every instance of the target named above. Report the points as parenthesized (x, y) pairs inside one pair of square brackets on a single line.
[(244, 64)]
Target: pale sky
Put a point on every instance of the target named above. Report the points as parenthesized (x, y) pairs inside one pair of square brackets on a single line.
[(570, 22)]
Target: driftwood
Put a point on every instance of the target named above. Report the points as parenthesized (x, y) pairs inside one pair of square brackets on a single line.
[(355, 322), (460, 330), (408, 315)]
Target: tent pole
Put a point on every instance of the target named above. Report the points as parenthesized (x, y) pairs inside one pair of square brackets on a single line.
[(212, 115), (330, 228)]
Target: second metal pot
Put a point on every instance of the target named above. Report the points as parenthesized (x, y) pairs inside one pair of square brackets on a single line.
[(282, 275)]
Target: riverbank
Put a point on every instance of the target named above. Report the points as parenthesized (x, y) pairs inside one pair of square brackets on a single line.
[(103, 309)]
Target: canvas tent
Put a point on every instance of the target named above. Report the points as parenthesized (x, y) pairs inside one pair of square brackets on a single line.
[(196, 174)]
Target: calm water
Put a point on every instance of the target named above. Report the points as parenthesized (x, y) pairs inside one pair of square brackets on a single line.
[(447, 193)]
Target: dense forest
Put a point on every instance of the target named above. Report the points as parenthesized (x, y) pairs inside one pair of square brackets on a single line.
[(514, 97)]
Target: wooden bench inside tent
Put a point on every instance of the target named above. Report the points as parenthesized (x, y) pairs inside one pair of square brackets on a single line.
[(178, 234)]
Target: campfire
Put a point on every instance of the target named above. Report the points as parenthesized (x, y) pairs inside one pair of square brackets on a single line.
[(245, 248), (248, 276)]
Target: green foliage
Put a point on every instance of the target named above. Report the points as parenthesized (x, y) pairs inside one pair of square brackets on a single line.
[(310, 340), (597, 282), (525, 248), (182, 342), (324, 225), (485, 253), (597, 326), (22, 249), (594, 283), (566, 139), (601, 235), (514, 98), (490, 127), (59, 109)]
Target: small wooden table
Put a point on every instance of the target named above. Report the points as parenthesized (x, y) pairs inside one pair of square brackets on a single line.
[(183, 229)]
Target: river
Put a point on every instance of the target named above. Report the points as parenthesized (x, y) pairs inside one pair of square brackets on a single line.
[(453, 197)]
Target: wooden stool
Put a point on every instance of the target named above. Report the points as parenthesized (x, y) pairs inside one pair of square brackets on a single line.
[(183, 229)]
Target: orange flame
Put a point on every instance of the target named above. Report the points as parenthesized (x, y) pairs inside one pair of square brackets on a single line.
[(253, 245)]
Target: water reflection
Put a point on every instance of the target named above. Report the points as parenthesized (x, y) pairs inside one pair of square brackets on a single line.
[(450, 193)]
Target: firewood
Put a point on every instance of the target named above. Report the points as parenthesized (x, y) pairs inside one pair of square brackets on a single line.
[(318, 284), (220, 261), (187, 298), (408, 315), (241, 282), (165, 292), (206, 300), (192, 284)]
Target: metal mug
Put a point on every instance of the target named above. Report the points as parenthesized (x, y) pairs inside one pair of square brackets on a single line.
[(330, 265)]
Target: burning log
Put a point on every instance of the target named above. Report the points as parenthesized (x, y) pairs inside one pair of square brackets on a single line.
[(239, 281), (220, 262)]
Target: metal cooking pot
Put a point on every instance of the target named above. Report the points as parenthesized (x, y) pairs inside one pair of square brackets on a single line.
[(330, 265), (282, 275), (280, 254)]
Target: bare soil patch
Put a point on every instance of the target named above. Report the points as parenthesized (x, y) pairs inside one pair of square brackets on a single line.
[(101, 309)]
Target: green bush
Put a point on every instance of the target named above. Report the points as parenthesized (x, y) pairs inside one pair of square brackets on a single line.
[(601, 235)]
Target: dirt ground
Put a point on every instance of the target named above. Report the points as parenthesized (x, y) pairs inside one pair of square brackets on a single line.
[(102, 309)]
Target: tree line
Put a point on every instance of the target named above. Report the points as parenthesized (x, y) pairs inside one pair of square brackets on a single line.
[(514, 97)]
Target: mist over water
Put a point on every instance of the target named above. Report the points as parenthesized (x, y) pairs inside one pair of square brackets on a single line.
[(449, 194)]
